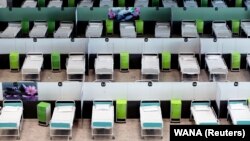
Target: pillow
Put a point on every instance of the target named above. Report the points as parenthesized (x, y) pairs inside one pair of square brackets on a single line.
[(102, 106), (213, 57), (150, 108), (65, 108), (10, 108), (239, 106), (129, 27), (186, 58), (201, 108), (35, 58), (76, 58)]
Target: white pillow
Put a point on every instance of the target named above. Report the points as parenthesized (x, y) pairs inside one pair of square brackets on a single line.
[(102, 106), (150, 108), (129, 27), (65, 108), (213, 57), (10, 108), (76, 58), (239, 106), (201, 108), (35, 58)]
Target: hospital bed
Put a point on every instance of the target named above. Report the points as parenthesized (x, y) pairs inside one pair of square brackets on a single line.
[(162, 30), (32, 66), (55, 3), (151, 118), (188, 64), (3, 3), (239, 112), (218, 4), (11, 31), (75, 65), (11, 117), (141, 3), (102, 118), (216, 64), (247, 3), (127, 30), (221, 30), (150, 66), (64, 31), (106, 3), (245, 26), (104, 65), (29, 4), (62, 119), (94, 29), (169, 3), (39, 30), (190, 3), (86, 3), (203, 113), (188, 29)]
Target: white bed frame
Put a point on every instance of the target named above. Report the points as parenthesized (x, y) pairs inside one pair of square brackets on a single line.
[(97, 74), (159, 128), (162, 30), (94, 29), (126, 32), (169, 3), (245, 29), (215, 72), (215, 31), (38, 71), (153, 74), (17, 128), (93, 128), (60, 32), (229, 116), (186, 31), (205, 103), (29, 4), (52, 128), (34, 31), (69, 75), (213, 2), (188, 72), (8, 31)]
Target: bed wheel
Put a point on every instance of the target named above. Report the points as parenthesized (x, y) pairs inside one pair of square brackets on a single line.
[(161, 137), (93, 137), (70, 138), (50, 138), (17, 138), (113, 137), (142, 138)]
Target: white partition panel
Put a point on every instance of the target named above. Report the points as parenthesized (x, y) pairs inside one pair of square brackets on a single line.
[(45, 45), (1, 91), (49, 91), (113, 91), (71, 90), (141, 91), (182, 90), (205, 91)]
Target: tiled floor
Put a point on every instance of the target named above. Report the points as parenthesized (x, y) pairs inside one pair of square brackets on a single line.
[(131, 76), (82, 131)]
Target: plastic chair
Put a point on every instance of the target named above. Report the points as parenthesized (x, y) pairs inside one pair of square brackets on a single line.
[(155, 3), (200, 26), (121, 3), (238, 3), (236, 27), (55, 61), (109, 26), (124, 61), (14, 61), (166, 61), (235, 61), (25, 26), (41, 3), (139, 25), (51, 27), (175, 114), (71, 3), (204, 3)]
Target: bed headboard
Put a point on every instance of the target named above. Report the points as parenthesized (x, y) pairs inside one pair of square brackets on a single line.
[(76, 53), (69, 24), (244, 20), (202, 103), (186, 53), (221, 22), (108, 102), (213, 53), (150, 103), (17, 103), (65, 103), (237, 101), (102, 54), (188, 21)]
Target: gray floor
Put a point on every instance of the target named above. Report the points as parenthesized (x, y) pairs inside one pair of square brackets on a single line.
[(82, 132), (131, 76)]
